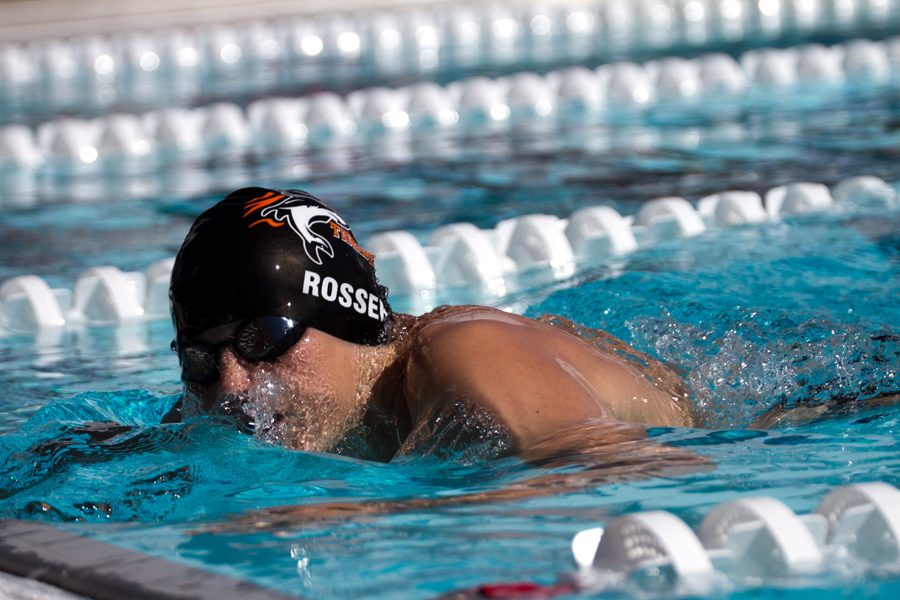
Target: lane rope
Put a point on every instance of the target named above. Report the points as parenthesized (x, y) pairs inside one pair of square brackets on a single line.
[(486, 264)]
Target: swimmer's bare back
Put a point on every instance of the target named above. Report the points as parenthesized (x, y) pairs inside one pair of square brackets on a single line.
[(781, 415), (536, 377)]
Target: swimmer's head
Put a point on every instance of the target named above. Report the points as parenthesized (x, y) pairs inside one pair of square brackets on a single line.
[(260, 267)]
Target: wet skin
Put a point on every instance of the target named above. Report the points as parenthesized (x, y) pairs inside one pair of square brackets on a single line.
[(531, 378), (536, 377), (557, 394)]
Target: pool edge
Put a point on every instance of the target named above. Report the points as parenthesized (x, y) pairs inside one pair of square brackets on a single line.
[(80, 565)]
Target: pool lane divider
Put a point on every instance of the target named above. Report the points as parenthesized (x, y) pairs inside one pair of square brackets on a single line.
[(131, 148), (252, 58), (739, 545), (756, 539), (460, 262), (104, 571)]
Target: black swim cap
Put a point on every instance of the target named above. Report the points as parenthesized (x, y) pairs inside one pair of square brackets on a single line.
[(263, 252)]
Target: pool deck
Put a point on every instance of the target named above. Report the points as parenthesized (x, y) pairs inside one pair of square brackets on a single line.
[(32, 551), (24, 20)]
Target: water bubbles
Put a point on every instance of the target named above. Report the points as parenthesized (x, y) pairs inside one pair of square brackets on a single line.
[(348, 42), (149, 61), (461, 432), (104, 64), (541, 25), (87, 154), (301, 555), (499, 112), (769, 7), (504, 28), (770, 359), (263, 408), (230, 53)]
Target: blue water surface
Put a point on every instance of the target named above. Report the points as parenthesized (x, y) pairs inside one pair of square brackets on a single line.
[(792, 313), (800, 313)]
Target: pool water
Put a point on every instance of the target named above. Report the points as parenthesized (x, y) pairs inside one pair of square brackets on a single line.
[(803, 312), (799, 312)]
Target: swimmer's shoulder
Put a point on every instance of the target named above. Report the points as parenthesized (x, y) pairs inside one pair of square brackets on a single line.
[(499, 362), (480, 329), (478, 350), (444, 373), (455, 324), (453, 341), (461, 338)]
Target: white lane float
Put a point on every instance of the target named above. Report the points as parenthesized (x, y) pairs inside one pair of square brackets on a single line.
[(746, 540), (474, 106), (487, 263)]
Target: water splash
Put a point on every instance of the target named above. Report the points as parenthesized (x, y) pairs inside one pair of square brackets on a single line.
[(736, 375), (268, 422), (776, 316), (461, 432), (283, 414)]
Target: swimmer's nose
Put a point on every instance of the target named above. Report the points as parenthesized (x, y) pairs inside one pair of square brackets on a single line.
[(234, 374)]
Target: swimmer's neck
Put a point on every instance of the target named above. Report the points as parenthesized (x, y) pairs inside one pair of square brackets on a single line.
[(380, 387)]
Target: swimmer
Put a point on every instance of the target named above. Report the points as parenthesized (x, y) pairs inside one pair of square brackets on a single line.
[(280, 322)]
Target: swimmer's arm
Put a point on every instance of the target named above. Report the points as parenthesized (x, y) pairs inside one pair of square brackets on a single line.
[(781, 415)]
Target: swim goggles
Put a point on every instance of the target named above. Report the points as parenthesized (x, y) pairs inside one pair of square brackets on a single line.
[(255, 340)]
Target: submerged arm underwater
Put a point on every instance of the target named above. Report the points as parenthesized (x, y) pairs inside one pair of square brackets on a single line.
[(590, 454)]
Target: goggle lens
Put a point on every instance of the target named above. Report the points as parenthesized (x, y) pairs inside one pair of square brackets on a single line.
[(254, 340)]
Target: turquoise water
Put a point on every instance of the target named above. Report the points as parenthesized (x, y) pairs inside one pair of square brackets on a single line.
[(799, 312)]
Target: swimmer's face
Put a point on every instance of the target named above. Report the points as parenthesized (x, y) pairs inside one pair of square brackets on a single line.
[(304, 399)]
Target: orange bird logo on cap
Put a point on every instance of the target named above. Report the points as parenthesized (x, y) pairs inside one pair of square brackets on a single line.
[(280, 208)]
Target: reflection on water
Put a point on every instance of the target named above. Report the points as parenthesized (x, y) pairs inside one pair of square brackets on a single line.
[(798, 313)]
